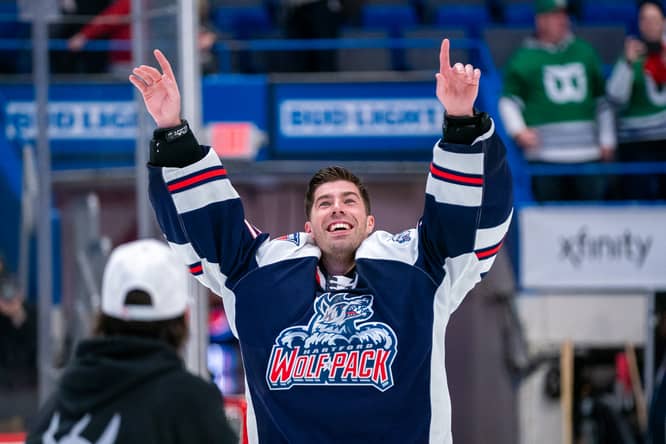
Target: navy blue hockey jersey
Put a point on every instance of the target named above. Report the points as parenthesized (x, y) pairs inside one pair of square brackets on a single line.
[(340, 359)]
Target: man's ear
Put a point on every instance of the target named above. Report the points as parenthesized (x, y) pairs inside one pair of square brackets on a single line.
[(370, 224), (308, 227)]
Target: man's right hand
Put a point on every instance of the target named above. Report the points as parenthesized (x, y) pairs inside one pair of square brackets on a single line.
[(527, 139), (633, 49), (159, 90)]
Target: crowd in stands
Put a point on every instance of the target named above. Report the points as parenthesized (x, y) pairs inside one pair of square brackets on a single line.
[(570, 97), (560, 109)]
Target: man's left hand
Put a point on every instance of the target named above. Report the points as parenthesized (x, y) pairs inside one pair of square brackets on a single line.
[(457, 86)]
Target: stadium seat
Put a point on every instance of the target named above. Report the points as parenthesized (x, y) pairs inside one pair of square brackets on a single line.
[(472, 17), (519, 13), (392, 17), (364, 59), (609, 12), (11, 27), (425, 59), (502, 41), (243, 22)]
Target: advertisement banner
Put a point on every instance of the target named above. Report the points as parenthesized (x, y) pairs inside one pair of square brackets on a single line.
[(373, 120), (602, 247), (90, 125), (95, 124)]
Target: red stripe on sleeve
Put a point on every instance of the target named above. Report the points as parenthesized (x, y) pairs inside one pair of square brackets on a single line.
[(198, 178), (487, 253), (455, 177)]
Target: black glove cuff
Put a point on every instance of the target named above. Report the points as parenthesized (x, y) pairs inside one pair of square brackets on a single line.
[(464, 130), (175, 147), (172, 133)]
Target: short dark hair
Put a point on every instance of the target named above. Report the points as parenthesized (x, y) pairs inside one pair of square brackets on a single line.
[(331, 174), (173, 331), (658, 4)]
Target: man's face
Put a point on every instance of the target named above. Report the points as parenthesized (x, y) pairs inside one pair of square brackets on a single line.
[(338, 219), (553, 27)]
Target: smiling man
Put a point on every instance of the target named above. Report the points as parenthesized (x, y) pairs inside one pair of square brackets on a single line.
[(337, 208), (341, 327)]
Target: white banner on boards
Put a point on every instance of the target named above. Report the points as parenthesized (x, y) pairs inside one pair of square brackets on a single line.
[(361, 117), (601, 247)]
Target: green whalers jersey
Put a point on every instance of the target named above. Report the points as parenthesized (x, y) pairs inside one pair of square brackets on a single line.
[(555, 84), (643, 117), (559, 90)]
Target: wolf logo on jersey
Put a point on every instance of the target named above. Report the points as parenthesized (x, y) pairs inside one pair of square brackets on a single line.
[(336, 347)]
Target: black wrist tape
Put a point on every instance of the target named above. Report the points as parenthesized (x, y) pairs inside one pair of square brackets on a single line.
[(175, 147), (464, 130)]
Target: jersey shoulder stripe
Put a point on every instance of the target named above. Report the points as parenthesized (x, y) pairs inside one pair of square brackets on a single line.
[(401, 247), (199, 185), (292, 246)]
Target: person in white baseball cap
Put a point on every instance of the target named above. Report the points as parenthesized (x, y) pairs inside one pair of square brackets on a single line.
[(146, 266), (128, 383)]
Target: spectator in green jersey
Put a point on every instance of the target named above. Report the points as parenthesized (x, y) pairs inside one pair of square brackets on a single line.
[(553, 105), (637, 87)]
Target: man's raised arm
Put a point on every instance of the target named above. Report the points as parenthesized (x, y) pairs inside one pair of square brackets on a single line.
[(197, 208), (468, 202)]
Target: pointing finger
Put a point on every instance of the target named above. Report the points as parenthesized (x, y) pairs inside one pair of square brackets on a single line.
[(444, 61)]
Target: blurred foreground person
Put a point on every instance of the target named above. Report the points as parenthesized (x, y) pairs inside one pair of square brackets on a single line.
[(18, 352), (128, 384)]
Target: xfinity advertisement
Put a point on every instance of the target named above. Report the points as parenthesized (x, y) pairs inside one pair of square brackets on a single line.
[(593, 247)]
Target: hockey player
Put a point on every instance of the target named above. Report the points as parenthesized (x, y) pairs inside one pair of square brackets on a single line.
[(341, 328)]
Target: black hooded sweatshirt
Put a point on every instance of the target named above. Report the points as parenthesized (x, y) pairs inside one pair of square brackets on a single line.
[(131, 390)]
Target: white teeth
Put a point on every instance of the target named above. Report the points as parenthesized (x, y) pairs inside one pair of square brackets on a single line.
[(339, 225)]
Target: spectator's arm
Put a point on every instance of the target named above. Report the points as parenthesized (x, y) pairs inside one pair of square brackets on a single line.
[(514, 93), (618, 86), (510, 111), (606, 124), (114, 16)]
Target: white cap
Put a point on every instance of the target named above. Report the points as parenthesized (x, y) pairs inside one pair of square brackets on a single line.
[(147, 265)]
